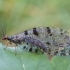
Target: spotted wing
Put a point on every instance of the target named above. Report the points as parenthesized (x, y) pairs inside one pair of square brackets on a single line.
[(55, 38)]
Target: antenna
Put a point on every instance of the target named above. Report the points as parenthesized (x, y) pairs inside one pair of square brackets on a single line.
[(3, 30)]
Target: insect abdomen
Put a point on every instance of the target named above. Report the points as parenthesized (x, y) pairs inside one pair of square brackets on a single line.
[(36, 42)]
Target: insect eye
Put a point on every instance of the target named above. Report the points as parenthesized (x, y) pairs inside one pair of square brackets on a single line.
[(5, 37)]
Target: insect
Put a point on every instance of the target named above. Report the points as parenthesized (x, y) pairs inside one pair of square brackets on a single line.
[(49, 39)]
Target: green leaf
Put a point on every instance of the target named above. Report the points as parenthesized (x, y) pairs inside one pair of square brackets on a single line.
[(8, 60), (22, 60), (61, 63)]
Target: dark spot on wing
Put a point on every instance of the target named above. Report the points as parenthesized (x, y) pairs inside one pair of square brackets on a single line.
[(24, 47), (51, 34), (69, 52), (18, 41), (36, 50), (30, 50), (27, 43), (63, 53), (26, 33), (48, 30), (35, 32), (55, 53), (49, 51), (61, 33), (47, 43), (16, 36)]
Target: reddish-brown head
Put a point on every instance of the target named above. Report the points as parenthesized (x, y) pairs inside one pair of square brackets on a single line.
[(5, 37)]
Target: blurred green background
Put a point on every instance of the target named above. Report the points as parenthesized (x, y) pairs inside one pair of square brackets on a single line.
[(19, 15)]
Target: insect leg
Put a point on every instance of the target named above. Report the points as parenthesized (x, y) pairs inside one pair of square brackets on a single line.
[(6, 45), (16, 45)]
